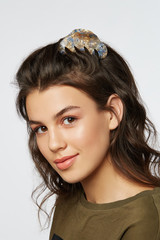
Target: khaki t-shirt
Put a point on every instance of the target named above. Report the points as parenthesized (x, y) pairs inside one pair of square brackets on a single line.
[(134, 218)]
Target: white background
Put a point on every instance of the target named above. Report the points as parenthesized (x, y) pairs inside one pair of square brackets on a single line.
[(132, 27)]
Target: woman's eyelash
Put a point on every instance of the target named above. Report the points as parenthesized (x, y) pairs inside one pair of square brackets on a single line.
[(70, 118), (35, 130)]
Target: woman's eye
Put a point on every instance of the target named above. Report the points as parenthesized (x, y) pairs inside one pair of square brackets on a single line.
[(69, 120), (40, 130)]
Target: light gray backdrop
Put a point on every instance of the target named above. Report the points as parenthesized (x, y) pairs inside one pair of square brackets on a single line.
[(130, 26)]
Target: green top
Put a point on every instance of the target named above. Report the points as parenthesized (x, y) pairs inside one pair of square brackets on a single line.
[(134, 218)]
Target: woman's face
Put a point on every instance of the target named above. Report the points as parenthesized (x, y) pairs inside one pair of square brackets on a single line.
[(67, 123)]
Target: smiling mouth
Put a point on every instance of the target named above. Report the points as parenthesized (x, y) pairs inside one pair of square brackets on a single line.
[(63, 164)]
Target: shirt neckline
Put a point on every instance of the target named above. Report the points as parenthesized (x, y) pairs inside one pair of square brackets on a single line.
[(119, 203)]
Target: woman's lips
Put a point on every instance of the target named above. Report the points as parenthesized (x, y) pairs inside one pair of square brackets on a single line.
[(64, 164)]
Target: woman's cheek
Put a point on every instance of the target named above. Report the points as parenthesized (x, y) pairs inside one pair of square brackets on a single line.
[(42, 146)]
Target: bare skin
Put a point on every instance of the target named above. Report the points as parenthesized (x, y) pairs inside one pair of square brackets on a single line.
[(119, 187), (84, 131)]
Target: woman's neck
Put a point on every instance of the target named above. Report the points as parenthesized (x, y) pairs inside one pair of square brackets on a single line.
[(107, 185)]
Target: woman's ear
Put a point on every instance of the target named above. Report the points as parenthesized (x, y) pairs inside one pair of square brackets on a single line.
[(116, 104)]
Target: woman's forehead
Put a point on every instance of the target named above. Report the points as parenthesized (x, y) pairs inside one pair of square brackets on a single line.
[(61, 93), (57, 98)]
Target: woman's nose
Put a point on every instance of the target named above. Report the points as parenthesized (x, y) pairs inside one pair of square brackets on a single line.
[(56, 141)]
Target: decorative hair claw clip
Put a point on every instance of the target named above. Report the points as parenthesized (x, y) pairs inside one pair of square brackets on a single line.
[(81, 38)]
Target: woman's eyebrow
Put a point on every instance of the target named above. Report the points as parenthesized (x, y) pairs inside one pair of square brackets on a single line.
[(64, 110), (57, 115), (31, 122)]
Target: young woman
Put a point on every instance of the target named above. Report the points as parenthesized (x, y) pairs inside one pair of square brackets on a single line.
[(89, 139)]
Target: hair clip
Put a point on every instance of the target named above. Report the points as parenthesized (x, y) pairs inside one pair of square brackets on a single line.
[(81, 38)]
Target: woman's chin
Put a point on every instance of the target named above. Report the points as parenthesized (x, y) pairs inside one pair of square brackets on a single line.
[(72, 179)]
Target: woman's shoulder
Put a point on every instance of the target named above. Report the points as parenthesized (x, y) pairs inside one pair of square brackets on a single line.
[(147, 203), (64, 204), (144, 216), (147, 197)]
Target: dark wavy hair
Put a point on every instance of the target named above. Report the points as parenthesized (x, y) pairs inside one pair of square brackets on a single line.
[(131, 153)]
